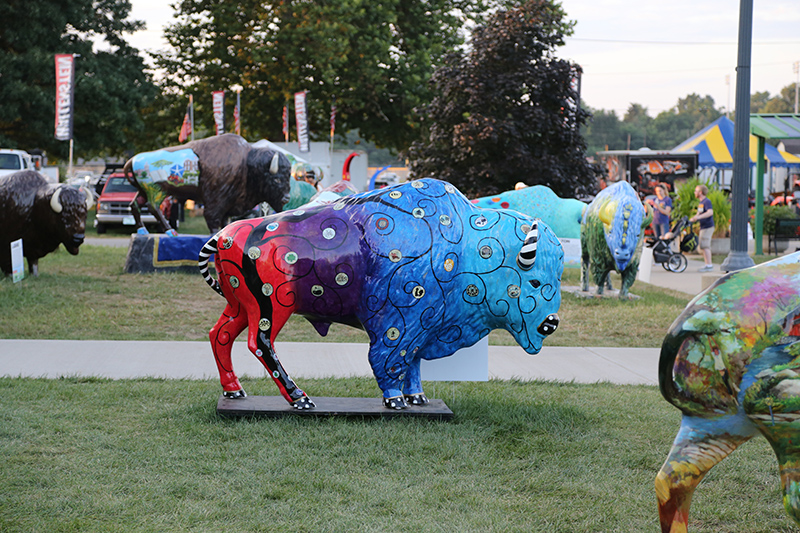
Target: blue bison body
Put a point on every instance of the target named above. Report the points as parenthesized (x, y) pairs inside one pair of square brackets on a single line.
[(416, 265), (563, 215), (612, 236)]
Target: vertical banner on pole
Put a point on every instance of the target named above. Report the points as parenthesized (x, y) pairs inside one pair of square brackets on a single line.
[(65, 95), (301, 117), (286, 123), (333, 119), (187, 127), (218, 100), (17, 261), (237, 114)]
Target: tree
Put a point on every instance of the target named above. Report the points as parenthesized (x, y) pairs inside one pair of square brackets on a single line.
[(505, 109), (375, 58), (690, 115), (783, 102), (637, 124), (111, 85), (604, 132)]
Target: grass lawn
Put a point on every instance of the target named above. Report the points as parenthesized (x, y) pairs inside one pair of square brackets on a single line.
[(89, 297), (152, 455)]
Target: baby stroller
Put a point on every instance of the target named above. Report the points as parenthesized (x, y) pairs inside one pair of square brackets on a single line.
[(662, 251)]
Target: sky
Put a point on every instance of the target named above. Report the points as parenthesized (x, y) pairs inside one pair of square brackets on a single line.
[(648, 52)]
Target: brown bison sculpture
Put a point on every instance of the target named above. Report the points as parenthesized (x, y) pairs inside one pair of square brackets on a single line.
[(224, 173), (41, 215)]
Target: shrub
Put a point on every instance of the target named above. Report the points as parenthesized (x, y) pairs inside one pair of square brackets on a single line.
[(772, 213)]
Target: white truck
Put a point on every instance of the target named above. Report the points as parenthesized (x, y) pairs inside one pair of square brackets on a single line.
[(15, 160)]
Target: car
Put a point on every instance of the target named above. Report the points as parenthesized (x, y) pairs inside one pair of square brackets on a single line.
[(114, 205)]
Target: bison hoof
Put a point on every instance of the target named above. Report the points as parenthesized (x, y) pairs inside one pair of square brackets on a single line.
[(417, 399), (303, 403), (397, 403), (234, 394)]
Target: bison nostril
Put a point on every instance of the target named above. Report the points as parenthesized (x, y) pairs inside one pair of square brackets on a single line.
[(549, 325)]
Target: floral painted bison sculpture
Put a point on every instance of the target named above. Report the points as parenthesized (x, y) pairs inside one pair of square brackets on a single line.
[(416, 265), (731, 363), (224, 173)]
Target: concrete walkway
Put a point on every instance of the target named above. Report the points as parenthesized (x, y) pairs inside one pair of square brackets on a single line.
[(194, 360)]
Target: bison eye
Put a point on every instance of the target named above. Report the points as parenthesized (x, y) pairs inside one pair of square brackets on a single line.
[(535, 282)]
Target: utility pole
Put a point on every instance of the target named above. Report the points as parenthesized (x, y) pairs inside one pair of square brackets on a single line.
[(796, 68)]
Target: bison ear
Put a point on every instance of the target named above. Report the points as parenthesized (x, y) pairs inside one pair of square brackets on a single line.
[(275, 165), (89, 198), (527, 254), (55, 203)]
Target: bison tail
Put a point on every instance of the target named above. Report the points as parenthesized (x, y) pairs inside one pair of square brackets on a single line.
[(209, 249)]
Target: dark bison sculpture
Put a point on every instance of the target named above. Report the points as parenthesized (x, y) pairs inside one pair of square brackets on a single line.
[(224, 173), (42, 215)]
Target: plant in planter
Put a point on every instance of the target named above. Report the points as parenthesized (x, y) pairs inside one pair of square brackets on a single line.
[(686, 204)]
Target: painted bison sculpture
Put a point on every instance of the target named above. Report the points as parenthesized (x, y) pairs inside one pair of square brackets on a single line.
[(42, 215), (612, 236), (563, 215), (224, 173), (416, 265), (731, 363)]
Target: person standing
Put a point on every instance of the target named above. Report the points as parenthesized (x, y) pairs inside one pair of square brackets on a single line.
[(662, 209), (705, 215)]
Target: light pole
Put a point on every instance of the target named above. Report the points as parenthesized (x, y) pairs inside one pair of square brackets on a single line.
[(740, 187), (728, 83), (796, 68)]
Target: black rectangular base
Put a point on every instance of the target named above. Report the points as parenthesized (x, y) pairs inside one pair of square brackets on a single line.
[(277, 406)]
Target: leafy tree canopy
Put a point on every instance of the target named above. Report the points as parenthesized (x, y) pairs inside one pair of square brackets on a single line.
[(110, 83), (637, 129), (375, 58), (783, 102), (606, 131), (505, 111)]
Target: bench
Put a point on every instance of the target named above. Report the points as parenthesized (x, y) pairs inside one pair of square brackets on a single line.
[(786, 229)]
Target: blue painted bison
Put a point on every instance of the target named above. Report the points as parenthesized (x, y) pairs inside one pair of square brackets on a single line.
[(416, 265), (612, 235), (563, 215)]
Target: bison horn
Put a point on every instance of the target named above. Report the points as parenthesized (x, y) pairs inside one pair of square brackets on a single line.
[(273, 167), (89, 198), (55, 203), (527, 255)]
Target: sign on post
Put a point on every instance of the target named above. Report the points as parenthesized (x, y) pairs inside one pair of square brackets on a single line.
[(17, 261)]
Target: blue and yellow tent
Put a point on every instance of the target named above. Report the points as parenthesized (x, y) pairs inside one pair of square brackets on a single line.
[(714, 143)]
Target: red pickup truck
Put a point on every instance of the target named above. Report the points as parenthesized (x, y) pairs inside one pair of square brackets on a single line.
[(114, 205)]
